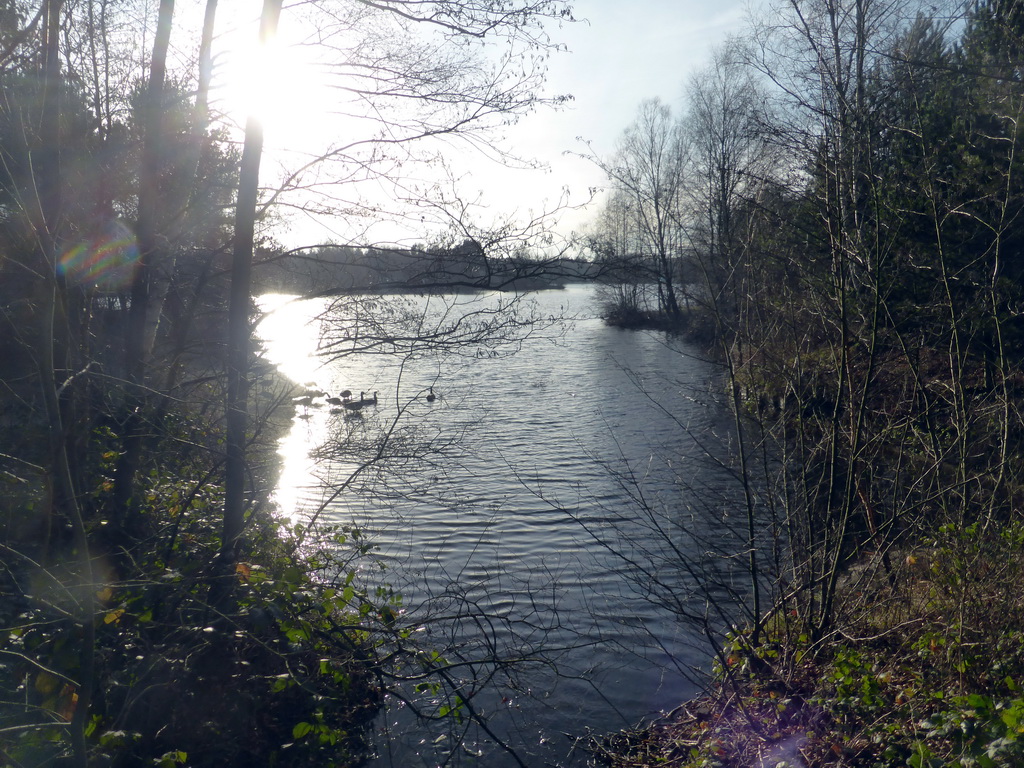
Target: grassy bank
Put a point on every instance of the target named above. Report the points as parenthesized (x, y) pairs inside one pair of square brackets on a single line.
[(923, 668)]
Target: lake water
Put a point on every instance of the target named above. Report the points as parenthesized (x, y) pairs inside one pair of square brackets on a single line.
[(556, 519)]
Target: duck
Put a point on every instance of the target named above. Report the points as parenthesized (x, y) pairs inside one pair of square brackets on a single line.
[(431, 397), (342, 397), (355, 405)]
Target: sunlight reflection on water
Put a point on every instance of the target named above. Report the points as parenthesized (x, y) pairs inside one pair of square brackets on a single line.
[(291, 335)]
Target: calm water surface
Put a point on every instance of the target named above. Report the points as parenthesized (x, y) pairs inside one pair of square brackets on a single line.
[(515, 519)]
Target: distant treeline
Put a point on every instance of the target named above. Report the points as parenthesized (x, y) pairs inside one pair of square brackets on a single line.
[(466, 266)]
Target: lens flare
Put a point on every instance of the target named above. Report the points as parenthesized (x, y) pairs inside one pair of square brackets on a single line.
[(107, 261)]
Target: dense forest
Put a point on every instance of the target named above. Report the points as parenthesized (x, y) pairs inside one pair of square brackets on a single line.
[(837, 213)]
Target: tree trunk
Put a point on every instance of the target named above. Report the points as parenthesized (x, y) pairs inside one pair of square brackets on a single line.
[(139, 309), (240, 332), (65, 496)]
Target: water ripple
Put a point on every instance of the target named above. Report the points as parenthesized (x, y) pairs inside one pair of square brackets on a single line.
[(523, 521)]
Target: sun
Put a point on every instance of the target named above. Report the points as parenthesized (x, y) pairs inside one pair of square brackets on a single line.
[(280, 84)]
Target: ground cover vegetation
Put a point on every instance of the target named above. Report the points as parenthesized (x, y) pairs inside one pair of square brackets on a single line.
[(153, 610), (838, 214)]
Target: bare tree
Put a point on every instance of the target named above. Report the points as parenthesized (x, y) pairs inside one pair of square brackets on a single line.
[(844, 246), (732, 161), (648, 173), (407, 85)]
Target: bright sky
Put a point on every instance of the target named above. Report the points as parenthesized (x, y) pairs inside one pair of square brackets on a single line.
[(625, 52), (620, 53)]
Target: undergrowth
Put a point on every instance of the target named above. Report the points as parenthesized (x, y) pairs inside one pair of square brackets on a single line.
[(283, 674), (925, 668)]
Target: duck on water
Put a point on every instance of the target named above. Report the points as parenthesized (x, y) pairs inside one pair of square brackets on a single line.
[(355, 405)]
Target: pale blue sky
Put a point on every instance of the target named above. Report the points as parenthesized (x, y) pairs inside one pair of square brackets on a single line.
[(626, 51)]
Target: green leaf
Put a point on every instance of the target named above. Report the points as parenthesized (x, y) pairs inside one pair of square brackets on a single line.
[(171, 759), (977, 701), (301, 729)]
